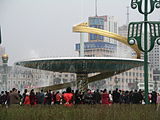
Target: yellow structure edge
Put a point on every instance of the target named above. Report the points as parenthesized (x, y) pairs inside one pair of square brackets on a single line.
[(83, 28)]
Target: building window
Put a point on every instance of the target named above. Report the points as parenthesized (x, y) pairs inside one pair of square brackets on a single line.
[(66, 75), (137, 74), (126, 80), (140, 74), (151, 85), (23, 82), (126, 73), (133, 74)]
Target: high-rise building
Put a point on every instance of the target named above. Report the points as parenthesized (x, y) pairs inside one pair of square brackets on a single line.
[(96, 22), (154, 57), (97, 45), (103, 22)]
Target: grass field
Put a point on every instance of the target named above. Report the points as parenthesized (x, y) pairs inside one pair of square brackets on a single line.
[(81, 112)]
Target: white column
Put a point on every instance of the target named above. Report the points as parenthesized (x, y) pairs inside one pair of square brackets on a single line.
[(81, 45)]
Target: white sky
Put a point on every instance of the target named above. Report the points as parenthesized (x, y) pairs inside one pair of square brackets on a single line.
[(43, 28)]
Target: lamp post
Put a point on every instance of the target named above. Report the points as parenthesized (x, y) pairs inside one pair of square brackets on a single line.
[(4, 76), (116, 82), (136, 84), (151, 30)]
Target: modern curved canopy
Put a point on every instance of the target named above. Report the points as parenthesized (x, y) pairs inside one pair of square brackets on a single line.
[(80, 65), (105, 67)]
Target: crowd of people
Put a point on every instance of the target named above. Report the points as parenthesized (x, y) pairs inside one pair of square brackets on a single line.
[(70, 97)]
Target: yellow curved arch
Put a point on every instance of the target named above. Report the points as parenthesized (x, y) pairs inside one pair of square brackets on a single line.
[(83, 28)]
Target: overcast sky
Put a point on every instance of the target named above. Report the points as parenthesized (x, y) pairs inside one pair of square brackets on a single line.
[(43, 28)]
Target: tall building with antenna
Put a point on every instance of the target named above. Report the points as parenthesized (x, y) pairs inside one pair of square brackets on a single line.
[(97, 45), (102, 22)]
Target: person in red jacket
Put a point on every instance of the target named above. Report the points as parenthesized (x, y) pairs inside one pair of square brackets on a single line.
[(68, 97), (58, 98), (105, 97), (26, 99)]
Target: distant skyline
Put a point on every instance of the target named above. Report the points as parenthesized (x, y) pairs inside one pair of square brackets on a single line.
[(43, 28)]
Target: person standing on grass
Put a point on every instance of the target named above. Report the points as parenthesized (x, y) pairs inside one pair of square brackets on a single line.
[(14, 97), (68, 97), (105, 97), (110, 97), (32, 97), (140, 96), (136, 97), (20, 97), (88, 97), (24, 95), (49, 98), (158, 101), (26, 99), (126, 97), (158, 98), (58, 97), (2, 98), (77, 97), (116, 96), (97, 97), (154, 97), (41, 97)]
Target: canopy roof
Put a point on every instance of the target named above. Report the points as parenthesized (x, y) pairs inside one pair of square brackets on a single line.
[(82, 65), (105, 67)]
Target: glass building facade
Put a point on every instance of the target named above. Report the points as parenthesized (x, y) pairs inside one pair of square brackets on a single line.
[(96, 22)]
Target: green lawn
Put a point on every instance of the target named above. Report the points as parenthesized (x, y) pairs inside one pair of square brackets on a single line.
[(81, 112)]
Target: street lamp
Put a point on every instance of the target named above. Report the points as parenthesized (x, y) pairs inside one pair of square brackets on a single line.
[(135, 30), (116, 82), (136, 84), (4, 76)]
